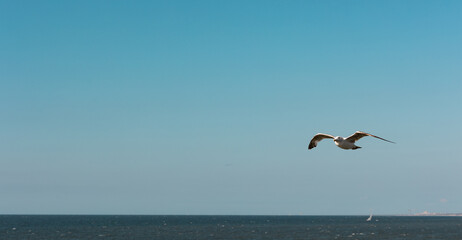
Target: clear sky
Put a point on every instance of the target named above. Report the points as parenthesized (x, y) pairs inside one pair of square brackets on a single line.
[(207, 107)]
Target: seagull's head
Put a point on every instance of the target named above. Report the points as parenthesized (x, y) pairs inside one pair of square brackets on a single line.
[(338, 139)]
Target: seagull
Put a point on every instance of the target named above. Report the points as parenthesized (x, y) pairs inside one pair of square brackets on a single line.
[(343, 143)]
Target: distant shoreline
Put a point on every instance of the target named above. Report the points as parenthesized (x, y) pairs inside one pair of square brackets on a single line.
[(424, 214), (430, 214)]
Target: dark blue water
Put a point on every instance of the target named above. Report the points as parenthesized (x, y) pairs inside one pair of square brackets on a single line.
[(228, 227)]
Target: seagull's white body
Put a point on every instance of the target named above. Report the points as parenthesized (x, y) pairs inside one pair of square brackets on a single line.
[(343, 143)]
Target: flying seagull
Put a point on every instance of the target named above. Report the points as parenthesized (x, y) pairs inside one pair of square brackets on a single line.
[(344, 143)]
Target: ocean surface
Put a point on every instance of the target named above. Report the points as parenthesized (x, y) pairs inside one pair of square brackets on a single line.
[(227, 227)]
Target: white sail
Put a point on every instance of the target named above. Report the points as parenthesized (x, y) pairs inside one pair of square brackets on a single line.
[(370, 218)]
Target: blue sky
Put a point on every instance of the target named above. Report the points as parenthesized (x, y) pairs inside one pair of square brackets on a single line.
[(207, 107)]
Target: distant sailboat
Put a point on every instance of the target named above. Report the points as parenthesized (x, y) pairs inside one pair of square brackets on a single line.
[(369, 218)]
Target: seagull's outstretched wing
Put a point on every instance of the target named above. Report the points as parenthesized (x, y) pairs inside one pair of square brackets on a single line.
[(318, 137), (358, 135)]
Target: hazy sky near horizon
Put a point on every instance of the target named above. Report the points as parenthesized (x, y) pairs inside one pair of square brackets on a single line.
[(207, 107)]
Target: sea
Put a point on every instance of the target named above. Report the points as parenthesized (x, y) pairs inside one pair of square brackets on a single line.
[(172, 227)]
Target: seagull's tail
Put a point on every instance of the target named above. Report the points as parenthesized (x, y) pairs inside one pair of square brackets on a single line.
[(355, 147)]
